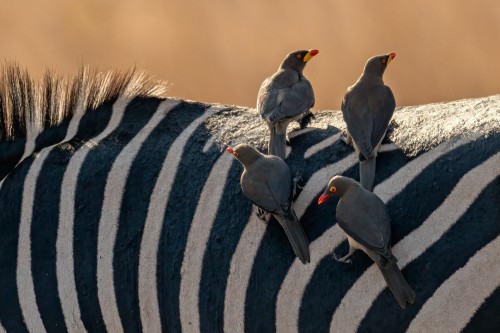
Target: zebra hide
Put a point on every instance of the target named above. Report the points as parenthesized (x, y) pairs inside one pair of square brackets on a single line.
[(136, 222)]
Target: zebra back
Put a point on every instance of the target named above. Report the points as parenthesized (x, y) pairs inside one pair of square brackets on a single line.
[(138, 223)]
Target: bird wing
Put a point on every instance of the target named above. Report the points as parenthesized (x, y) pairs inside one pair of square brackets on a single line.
[(267, 99), (268, 184), (279, 179), (297, 99), (285, 95), (382, 116), (370, 225), (258, 192), (358, 118)]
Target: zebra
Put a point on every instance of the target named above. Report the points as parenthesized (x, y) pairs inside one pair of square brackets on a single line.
[(121, 213)]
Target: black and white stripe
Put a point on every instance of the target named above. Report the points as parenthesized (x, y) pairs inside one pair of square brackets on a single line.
[(135, 222)]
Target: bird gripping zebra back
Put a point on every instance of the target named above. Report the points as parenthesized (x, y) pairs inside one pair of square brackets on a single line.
[(125, 214)]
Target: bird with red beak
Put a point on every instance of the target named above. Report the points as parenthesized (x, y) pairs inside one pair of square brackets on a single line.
[(284, 97), (266, 181), (365, 219), (367, 108)]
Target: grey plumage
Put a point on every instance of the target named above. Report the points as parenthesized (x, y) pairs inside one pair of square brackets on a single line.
[(266, 180), (367, 107), (365, 219), (284, 97)]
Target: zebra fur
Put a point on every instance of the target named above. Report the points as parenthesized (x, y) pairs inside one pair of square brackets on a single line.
[(135, 223)]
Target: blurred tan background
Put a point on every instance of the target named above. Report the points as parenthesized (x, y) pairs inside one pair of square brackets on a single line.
[(221, 50)]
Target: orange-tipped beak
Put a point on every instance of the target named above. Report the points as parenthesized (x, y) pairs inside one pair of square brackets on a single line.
[(230, 150), (391, 56), (323, 198), (310, 54)]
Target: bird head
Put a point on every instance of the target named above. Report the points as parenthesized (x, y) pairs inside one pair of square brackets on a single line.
[(297, 60), (337, 186), (244, 153), (378, 64)]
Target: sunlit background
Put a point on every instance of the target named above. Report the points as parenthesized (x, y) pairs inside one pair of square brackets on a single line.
[(221, 50)]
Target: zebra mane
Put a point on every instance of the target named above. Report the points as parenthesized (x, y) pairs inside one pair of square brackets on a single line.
[(29, 105)]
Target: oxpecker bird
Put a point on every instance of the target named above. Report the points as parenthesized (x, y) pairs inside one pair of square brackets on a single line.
[(365, 219), (284, 97), (367, 108), (266, 180)]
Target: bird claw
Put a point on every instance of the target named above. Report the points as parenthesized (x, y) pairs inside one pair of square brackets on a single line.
[(342, 260), (298, 184), (298, 181), (263, 215), (306, 119), (345, 138)]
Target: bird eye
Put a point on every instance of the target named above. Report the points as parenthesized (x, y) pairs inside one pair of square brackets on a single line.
[(235, 154), (333, 189), (384, 60), (299, 56)]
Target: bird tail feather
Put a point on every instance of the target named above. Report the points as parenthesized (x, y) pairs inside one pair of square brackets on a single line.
[(367, 173), (277, 142), (296, 236), (398, 285)]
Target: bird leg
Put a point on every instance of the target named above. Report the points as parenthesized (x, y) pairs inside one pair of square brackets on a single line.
[(263, 215), (346, 138), (344, 259)]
